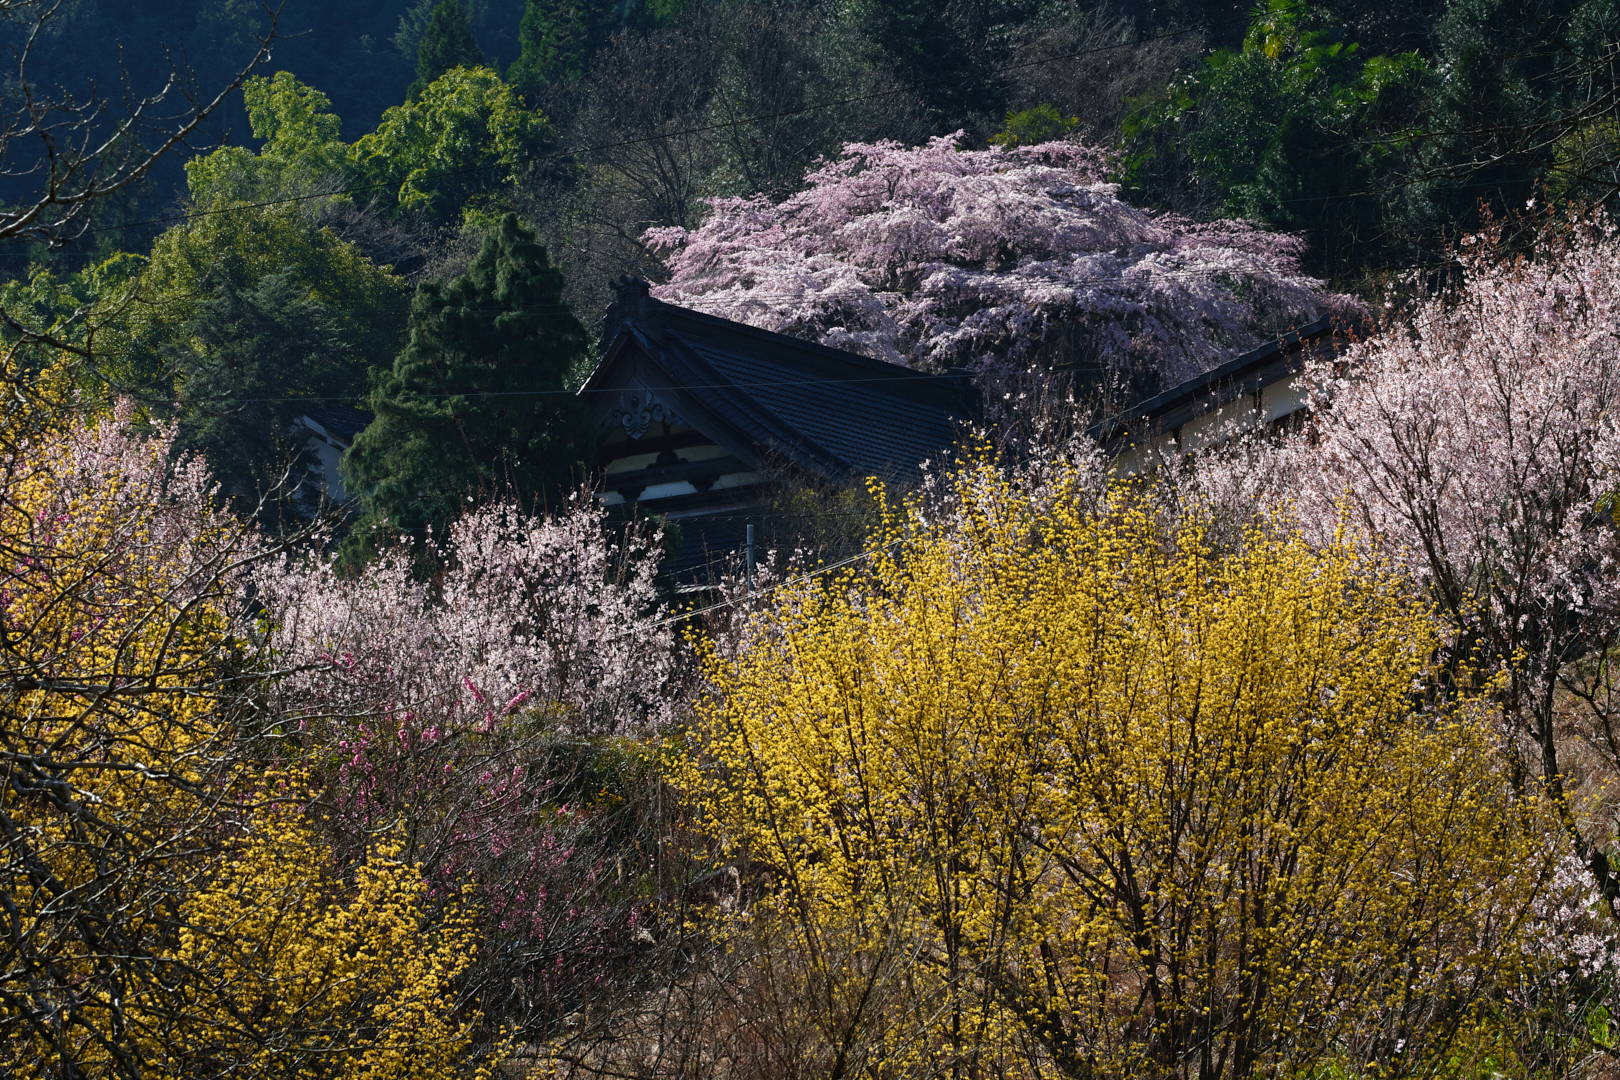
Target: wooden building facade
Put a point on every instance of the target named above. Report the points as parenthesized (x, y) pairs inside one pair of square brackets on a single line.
[(699, 417), (1260, 387)]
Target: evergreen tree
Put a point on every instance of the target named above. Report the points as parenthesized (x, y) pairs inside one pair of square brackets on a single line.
[(446, 43), (939, 50), (253, 360), (558, 38), (553, 36), (477, 404)]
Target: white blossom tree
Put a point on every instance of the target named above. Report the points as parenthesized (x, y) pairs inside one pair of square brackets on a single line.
[(936, 257), (504, 715), (1473, 441)]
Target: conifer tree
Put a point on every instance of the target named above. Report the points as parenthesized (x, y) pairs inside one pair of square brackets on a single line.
[(552, 36), (446, 43), (477, 405), (558, 38)]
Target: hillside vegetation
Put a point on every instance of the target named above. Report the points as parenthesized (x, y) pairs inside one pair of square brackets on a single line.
[(1295, 758)]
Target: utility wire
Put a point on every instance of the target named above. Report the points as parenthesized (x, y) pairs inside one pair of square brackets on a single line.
[(739, 122), (766, 295), (697, 130), (243, 207), (912, 377), (842, 293)]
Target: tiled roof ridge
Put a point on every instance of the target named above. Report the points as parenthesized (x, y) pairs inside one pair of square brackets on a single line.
[(1231, 369), (635, 307)]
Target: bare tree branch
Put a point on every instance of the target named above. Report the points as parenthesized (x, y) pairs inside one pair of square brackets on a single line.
[(73, 151)]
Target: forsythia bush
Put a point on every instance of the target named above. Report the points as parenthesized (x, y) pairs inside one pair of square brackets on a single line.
[(166, 905), (309, 962), (1051, 792)]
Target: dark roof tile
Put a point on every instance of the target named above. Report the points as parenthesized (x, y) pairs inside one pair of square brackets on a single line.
[(833, 413), (873, 430)]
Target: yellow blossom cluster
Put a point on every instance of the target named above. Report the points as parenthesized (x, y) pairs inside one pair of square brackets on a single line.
[(313, 976), (1049, 790), (168, 905)]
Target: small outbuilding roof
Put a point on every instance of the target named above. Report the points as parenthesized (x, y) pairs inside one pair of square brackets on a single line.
[(1256, 386)]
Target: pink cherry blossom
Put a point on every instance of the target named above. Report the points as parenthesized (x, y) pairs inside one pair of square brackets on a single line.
[(548, 612), (936, 257), (556, 616), (1474, 442)]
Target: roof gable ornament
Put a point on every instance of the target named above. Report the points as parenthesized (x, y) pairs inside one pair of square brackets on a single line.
[(629, 290), (631, 298), (637, 408)]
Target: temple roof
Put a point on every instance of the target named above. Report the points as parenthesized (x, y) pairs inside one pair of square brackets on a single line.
[(835, 414)]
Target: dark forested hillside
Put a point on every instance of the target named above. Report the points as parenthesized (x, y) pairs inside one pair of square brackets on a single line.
[(361, 54), (376, 147), (1370, 128), (404, 129)]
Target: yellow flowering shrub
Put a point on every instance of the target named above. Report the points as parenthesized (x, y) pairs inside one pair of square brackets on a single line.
[(165, 909), (313, 976), (1053, 792)]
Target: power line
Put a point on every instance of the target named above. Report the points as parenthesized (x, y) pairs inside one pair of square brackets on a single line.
[(832, 294), (698, 130), (911, 376), (979, 76)]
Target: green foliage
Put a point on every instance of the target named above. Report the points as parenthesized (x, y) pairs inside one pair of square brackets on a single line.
[(413, 24), (477, 404), (70, 306), (465, 136), (236, 251), (248, 363), (190, 262), (463, 139), (1523, 95), (1041, 124), (1277, 130), (302, 145), (447, 43), (71, 323), (558, 38), (294, 120), (1376, 158), (243, 321)]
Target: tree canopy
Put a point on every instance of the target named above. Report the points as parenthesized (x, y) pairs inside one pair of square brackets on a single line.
[(248, 364), (466, 136), (168, 906), (446, 43), (479, 403), (938, 257), (1047, 790)]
